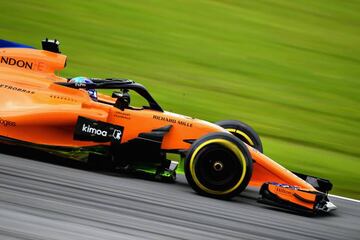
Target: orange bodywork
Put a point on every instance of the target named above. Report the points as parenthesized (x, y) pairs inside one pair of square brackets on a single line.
[(301, 198), (33, 108)]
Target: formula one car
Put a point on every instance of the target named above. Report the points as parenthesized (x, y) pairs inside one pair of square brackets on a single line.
[(41, 110)]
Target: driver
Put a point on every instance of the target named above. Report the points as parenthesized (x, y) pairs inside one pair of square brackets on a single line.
[(84, 80)]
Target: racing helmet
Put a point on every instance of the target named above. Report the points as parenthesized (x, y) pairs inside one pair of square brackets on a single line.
[(84, 80)]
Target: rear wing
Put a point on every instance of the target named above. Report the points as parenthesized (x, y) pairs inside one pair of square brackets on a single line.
[(20, 57)]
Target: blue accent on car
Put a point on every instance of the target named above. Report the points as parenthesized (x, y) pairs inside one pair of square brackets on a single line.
[(81, 82), (8, 44)]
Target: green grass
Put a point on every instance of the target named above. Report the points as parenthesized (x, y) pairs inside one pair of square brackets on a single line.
[(288, 68)]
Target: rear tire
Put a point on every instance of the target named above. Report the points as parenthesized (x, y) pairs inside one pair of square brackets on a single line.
[(218, 165), (243, 132)]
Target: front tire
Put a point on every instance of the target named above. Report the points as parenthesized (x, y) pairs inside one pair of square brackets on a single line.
[(218, 165)]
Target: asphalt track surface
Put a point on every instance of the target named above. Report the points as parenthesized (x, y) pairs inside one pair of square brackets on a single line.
[(42, 200)]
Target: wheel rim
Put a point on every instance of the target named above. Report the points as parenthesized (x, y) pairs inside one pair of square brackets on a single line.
[(217, 168), (213, 181)]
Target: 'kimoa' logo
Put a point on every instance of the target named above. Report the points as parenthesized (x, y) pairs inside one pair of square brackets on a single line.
[(89, 129), (117, 134)]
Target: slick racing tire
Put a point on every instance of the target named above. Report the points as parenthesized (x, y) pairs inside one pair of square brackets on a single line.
[(243, 132), (218, 165)]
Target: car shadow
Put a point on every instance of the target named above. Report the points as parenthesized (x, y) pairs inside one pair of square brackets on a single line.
[(42, 156)]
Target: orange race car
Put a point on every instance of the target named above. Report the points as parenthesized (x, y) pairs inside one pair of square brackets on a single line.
[(70, 118)]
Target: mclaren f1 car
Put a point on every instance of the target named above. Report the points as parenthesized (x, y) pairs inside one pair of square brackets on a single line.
[(41, 110)]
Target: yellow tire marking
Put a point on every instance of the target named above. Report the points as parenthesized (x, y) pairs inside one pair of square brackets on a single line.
[(242, 134), (230, 146)]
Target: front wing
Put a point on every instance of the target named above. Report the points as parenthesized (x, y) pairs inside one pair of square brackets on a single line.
[(294, 198)]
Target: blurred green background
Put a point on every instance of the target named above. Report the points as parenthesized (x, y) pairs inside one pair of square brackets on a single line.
[(290, 69)]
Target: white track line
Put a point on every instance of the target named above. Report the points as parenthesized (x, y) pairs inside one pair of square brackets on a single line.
[(344, 198)]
